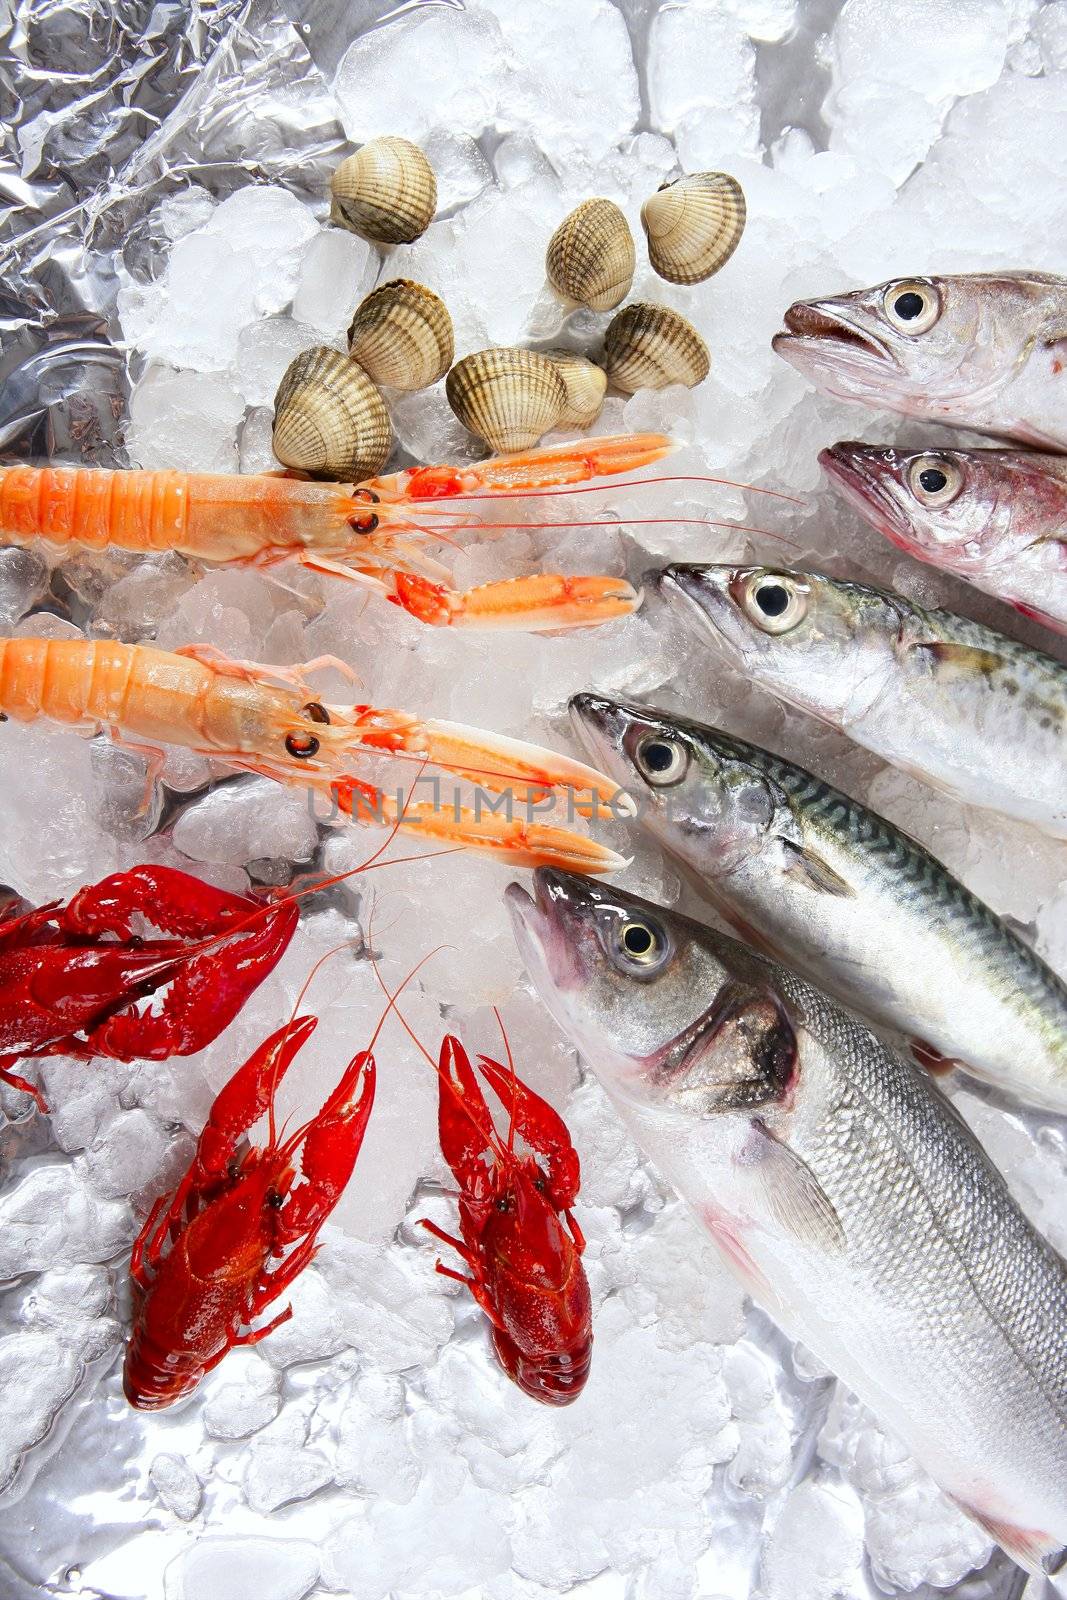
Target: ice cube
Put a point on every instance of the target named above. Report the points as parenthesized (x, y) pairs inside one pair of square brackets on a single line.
[(338, 269), (49, 1218), (402, 77), (279, 1474), (711, 114), (176, 1484), (247, 820), (264, 351), (23, 580), (816, 1549), (250, 1568), (462, 172), (184, 420), (186, 209)]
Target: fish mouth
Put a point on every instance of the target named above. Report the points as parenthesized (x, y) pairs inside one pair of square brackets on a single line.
[(864, 476), (699, 593), (821, 331), (542, 923), (600, 725)]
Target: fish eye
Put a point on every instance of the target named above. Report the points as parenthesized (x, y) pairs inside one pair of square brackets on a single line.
[(934, 480), (911, 307), (662, 761), (640, 945), (775, 601), (302, 745)]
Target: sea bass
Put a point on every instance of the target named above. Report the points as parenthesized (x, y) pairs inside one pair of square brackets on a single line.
[(818, 881), (984, 350), (995, 517), (844, 1191), (972, 713)]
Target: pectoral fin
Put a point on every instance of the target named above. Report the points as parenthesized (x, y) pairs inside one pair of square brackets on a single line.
[(796, 1199), (811, 870), (1038, 1552), (951, 662)]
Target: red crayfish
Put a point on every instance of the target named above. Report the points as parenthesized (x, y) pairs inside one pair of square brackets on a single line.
[(71, 976), (200, 1263), (525, 1266)]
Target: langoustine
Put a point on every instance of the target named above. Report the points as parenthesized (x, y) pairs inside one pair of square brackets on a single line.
[(369, 533), (233, 712), (843, 1190)]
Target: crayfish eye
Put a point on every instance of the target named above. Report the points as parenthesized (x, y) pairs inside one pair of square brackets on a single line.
[(275, 1200), (316, 712), (503, 1203), (302, 745), (540, 1185)]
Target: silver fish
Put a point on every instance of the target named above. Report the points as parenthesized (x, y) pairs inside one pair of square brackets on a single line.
[(845, 1192), (995, 517), (984, 350), (972, 713), (818, 881)]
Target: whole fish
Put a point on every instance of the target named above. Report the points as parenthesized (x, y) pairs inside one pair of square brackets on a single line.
[(970, 712), (984, 350), (995, 517), (818, 881), (844, 1191)]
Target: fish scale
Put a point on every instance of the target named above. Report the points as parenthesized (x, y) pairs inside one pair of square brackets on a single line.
[(835, 890), (847, 1194)]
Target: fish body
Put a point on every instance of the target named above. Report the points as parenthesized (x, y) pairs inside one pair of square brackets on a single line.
[(982, 350), (818, 881), (848, 1196), (995, 517), (970, 712)]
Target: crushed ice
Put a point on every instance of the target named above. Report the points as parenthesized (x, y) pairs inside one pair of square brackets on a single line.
[(371, 1446)]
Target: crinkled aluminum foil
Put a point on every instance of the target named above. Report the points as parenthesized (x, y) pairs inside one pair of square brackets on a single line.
[(105, 109)]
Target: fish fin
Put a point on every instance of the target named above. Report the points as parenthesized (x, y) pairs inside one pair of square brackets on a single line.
[(812, 870), (1037, 1552), (952, 661), (1026, 931), (931, 1058), (797, 1200)]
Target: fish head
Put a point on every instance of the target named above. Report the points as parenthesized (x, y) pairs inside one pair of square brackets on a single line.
[(923, 501), (950, 507), (673, 1017), (692, 786), (821, 643), (918, 345)]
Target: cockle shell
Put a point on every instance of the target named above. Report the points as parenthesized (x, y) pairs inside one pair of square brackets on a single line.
[(386, 192), (329, 418), (585, 383), (401, 335), (591, 257), (694, 225), (649, 347), (508, 397)]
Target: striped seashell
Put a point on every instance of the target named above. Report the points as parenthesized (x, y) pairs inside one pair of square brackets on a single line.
[(586, 385), (650, 347), (508, 397), (385, 192), (591, 257), (694, 225), (401, 335), (329, 419)]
